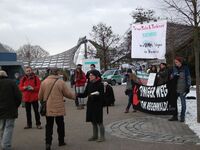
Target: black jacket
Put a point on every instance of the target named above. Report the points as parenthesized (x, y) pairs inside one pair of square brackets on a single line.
[(10, 99), (94, 111)]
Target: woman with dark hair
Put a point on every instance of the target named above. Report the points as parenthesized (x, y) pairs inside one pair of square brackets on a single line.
[(130, 79), (80, 80), (163, 74), (94, 113)]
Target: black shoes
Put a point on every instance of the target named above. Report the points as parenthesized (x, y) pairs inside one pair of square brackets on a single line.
[(173, 119), (62, 144), (48, 147), (182, 120), (27, 127)]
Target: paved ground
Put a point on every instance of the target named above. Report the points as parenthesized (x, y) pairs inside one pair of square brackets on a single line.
[(138, 131)]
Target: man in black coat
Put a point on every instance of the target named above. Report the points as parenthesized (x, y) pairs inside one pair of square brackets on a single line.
[(10, 100)]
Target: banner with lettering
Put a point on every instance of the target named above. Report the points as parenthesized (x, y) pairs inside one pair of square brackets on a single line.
[(149, 40), (157, 99)]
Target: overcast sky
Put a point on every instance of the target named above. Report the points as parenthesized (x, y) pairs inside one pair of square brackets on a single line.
[(56, 25)]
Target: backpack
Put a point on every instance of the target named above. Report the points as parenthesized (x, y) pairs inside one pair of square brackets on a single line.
[(108, 98)]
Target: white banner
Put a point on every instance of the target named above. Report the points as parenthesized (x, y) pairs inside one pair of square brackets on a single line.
[(149, 40)]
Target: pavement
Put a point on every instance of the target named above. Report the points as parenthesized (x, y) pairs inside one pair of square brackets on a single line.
[(124, 131)]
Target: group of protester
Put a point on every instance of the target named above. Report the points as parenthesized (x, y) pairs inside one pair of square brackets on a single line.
[(52, 89), (180, 72)]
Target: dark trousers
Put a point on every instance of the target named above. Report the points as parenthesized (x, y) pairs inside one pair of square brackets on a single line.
[(130, 98), (28, 113), (60, 128)]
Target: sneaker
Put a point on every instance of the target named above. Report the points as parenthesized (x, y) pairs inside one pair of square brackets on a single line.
[(173, 119), (27, 127), (39, 127)]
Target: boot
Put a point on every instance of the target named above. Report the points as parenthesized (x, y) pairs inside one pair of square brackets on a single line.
[(95, 133), (102, 133), (174, 118)]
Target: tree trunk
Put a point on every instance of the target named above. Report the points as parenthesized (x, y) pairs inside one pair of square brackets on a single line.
[(196, 50)]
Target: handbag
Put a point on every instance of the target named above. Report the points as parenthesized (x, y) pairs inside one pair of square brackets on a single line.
[(43, 107)]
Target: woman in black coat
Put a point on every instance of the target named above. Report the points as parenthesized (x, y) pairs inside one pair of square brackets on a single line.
[(94, 113)]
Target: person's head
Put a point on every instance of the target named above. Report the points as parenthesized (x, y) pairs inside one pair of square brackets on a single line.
[(129, 71), (28, 71), (92, 66), (178, 61), (79, 66), (3, 74), (163, 65), (153, 68), (93, 75), (54, 71)]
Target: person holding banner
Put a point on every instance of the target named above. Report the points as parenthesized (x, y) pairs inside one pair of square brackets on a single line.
[(163, 74), (182, 73), (130, 78)]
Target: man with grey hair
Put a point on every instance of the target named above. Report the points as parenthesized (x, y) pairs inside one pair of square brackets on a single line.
[(53, 90), (10, 100)]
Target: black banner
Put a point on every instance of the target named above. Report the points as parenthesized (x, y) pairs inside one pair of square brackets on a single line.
[(157, 99)]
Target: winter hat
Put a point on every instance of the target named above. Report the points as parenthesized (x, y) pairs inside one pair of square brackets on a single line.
[(95, 73), (180, 59), (129, 71)]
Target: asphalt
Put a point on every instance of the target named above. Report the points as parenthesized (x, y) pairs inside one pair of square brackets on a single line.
[(133, 130)]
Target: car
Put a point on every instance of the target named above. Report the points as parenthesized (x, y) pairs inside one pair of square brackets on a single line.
[(112, 77)]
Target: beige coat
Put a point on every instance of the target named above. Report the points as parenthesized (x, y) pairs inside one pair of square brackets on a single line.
[(55, 102)]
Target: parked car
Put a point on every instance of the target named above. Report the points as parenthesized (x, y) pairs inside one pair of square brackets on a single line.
[(112, 77)]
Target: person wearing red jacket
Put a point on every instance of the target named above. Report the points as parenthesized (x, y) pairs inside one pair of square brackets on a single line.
[(29, 86), (80, 80)]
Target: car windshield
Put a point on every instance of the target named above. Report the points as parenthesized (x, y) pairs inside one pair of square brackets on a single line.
[(109, 72)]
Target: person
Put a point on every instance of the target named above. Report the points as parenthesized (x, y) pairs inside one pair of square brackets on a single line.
[(92, 67), (10, 100), (94, 113), (55, 105), (153, 69), (80, 80), (182, 73), (130, 78), (72, 78), (163, 74), (29, 86)]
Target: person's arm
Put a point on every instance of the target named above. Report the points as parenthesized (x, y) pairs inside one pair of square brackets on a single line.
[(17, 95)]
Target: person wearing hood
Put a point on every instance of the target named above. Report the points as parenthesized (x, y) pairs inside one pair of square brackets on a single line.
[(94, 113), (55, 89), (10, 100)]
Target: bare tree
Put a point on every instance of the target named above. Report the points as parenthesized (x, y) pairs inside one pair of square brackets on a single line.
[(104, 40), (190, 12), (142, 15), (29, 52)]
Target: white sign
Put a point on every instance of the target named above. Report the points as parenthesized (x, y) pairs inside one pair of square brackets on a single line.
[(88, 62), (149, 40), (151, 79)]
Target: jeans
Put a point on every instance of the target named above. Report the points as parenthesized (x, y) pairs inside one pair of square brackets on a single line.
[(183, 105), (130, 98), (6, 132), (80, 89), (60, 129), (28, 113)]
